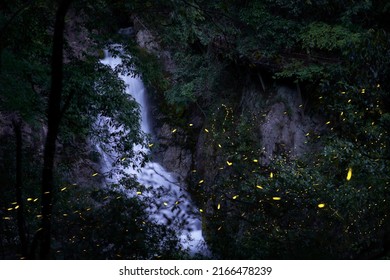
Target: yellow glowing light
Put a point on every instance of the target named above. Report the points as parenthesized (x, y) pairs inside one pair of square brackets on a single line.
[(206, 130), (276, 198), (173, 131), (64, 188), (255, 160), (201, 181), (321, 205), (166, 204), (229, 163), (259, 187), (29, 199), (235, 197), (191, 124), (150, 145), (16, 207), (271, 175), (363, 90), (328, 122), (201, 210), (95, 174), (139, 193), (219, 145), (349, 174), (219, 206)]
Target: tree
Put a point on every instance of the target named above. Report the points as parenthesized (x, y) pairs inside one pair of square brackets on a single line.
[(54, 119), (81, 90)]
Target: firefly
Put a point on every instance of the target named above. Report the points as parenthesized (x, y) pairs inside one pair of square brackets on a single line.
[(349, 174)]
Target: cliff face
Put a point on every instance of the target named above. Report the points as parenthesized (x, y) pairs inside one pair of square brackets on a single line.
[(275, 114)]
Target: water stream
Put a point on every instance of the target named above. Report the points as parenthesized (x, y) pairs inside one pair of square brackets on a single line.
[(172, 205)]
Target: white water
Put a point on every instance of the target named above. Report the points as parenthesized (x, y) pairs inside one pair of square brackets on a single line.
[(172, 205)]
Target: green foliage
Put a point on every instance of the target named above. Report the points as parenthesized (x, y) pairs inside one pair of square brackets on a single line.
[(298, 71), (196, 77), (90, 90), (331, 203), (322, 36), (309, 208), (106, 224), (17, 83)]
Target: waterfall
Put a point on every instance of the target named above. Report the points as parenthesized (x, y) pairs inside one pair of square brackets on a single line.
[(173, 205)]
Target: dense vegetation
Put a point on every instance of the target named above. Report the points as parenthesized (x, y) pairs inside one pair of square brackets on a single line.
[(332, 202)]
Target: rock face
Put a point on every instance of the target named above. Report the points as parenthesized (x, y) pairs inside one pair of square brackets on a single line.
[(171, 153), (282, 127), (286, 126), (146, 40)]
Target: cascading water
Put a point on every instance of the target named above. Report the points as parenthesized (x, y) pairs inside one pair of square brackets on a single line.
[(172, 206)]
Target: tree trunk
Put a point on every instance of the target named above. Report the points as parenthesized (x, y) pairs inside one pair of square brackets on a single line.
[(18, 189), (54, 118)]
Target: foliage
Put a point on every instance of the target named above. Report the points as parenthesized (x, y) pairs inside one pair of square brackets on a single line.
[(106, 224), (333, 199), (195, 77), (91, 90), (331, 203)]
